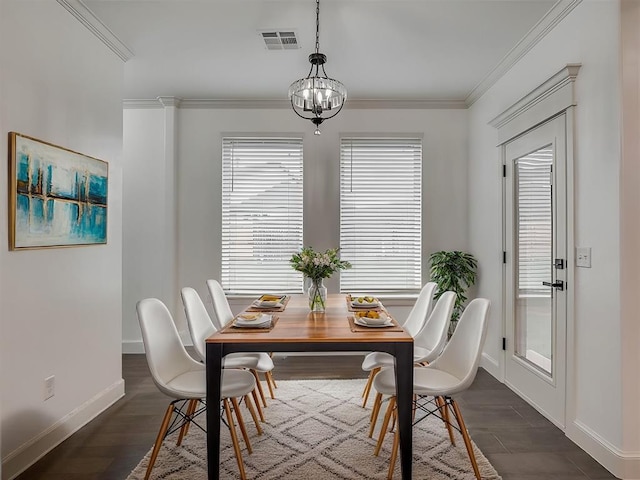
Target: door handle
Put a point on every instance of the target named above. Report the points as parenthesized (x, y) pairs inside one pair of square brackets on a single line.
[(559, 284)]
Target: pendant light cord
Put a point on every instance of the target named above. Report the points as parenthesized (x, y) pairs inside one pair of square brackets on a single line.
[(317, 26)]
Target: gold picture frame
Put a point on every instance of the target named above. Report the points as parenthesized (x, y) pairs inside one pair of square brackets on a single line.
[(57, 197)]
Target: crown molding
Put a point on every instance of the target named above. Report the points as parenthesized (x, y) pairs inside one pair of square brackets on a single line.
[(560, 10), (95, 26), (415, 104), (140, 103), (285, 104), (170, 101)]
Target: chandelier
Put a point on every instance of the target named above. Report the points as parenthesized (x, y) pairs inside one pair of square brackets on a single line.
[(317, 97)]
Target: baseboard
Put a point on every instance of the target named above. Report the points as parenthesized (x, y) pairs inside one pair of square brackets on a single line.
[(491, 365), (132, 346), (625, 465), (33, 450)]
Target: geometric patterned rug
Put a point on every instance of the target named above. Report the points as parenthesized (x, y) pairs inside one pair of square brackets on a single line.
[(317, 429)]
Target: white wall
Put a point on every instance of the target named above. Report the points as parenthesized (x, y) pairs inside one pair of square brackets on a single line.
[(199, 134), (143, 261), (61, 308), (594, 401)]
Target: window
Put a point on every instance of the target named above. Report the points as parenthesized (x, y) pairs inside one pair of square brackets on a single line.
[(381, 214), (534, 233), (261, 213)]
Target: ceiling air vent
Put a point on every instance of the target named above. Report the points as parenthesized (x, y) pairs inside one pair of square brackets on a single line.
[(280, 40)]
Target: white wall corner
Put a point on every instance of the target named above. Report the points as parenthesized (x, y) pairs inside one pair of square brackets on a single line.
[(622, 464), (36, 448), (95, 26)]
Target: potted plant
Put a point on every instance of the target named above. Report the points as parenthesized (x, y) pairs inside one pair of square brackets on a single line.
[(453, 271)]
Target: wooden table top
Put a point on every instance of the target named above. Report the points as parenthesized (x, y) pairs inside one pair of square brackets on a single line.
[(298, 324)]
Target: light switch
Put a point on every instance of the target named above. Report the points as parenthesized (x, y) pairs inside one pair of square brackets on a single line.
[(583, 257)]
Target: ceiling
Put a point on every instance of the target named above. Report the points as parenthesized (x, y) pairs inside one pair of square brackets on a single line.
[(432, 50)]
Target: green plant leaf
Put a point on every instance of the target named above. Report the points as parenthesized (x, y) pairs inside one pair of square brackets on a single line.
[(453, 271)]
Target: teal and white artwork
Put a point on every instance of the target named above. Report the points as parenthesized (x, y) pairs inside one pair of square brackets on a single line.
[(59, 197)]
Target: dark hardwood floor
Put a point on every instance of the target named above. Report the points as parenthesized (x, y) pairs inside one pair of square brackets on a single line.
[(519, 442)]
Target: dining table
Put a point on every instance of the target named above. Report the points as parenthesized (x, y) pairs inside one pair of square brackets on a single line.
[(296, 329)]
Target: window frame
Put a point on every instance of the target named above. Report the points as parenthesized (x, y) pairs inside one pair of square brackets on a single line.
[(289, 280), (411, 141)]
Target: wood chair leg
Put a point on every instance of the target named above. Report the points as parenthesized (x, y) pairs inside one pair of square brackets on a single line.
[(465, 436), (164, 426), (234, 439), (376, 400), (243, 428), (444, 410), (185, 428), (374, 413), (268, 380), (367, 388), (254, 394), (385, 424), (273, 380), (249, 404), (394, 454), (259, 386)]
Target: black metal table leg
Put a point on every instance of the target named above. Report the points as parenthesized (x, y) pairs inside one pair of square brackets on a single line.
[(404, 396), (214, 380)]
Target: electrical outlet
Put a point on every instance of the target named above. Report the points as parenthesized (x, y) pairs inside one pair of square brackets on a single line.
[(583, 257), (49, 387)]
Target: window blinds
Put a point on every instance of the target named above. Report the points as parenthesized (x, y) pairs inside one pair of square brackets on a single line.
[(261, 214), (535, 225), (381, 214)]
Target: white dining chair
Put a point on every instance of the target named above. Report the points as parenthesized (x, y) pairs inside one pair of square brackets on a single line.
[(434, 385), (201, 327), (222, 316), (180, 377), (414, 322), (427, 344)]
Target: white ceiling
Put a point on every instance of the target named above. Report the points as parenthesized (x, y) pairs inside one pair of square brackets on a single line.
[(380, 49)]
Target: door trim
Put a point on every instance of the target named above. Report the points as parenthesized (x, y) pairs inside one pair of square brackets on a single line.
[(551, 98)]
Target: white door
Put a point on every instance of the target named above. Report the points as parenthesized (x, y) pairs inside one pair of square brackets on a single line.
[(535, 208)]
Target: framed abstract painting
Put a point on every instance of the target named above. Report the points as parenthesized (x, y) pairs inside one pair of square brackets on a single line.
[(58, 198)]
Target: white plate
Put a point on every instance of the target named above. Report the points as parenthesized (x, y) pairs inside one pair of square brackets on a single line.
[(359, 321), (266, 304), (259, 304), (382, 318), (259, 321), (265, 325), (355, 303)]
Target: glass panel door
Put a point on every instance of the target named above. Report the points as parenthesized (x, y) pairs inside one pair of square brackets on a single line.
[(535, 229), (534, 256)]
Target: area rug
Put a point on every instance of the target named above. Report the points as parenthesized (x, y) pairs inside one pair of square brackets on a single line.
[(317, 429)]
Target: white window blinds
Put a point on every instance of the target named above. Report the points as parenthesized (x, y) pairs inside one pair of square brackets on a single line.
[(261, 214), (533, 177), (381, 214)]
